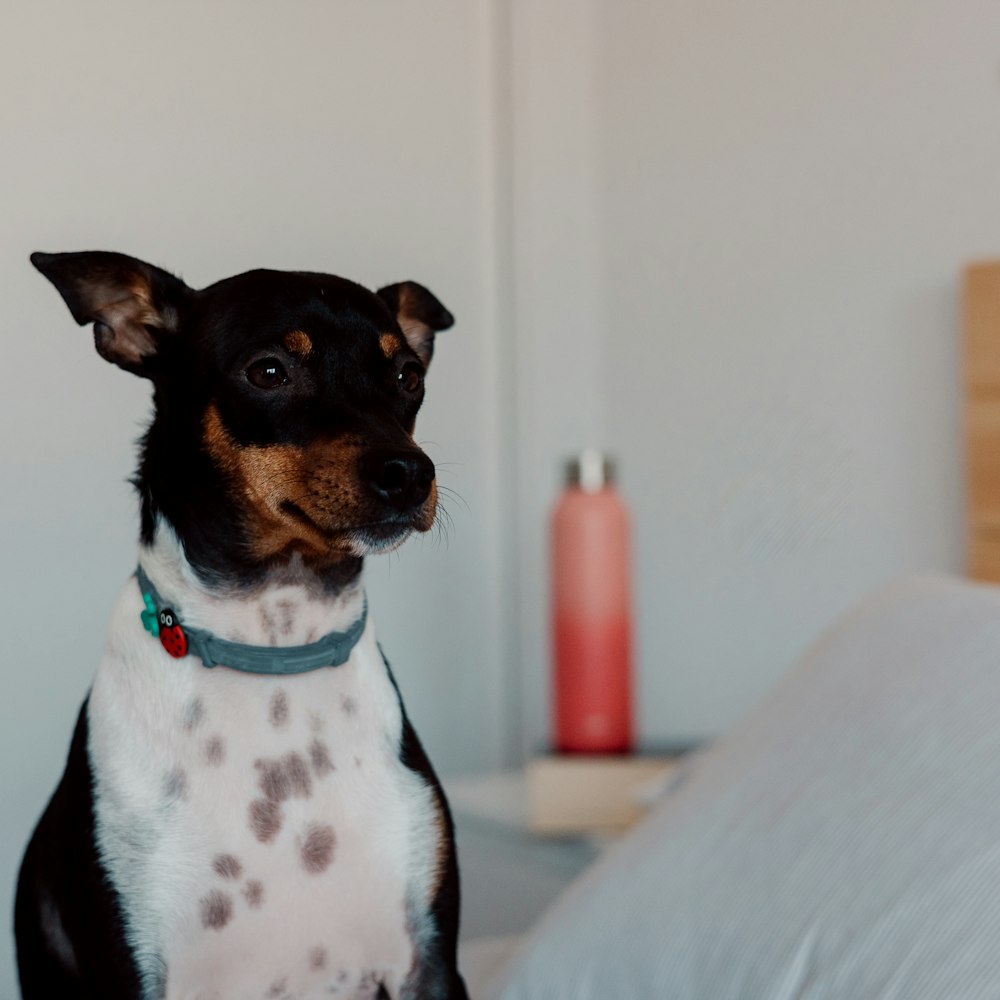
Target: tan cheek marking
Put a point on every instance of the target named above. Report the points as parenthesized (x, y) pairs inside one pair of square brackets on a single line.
[(426, 520), (270, 471), (390, 345), (218, 443), (267, 474), (297, 342), (266, 477), (333, 489), (321, 480)]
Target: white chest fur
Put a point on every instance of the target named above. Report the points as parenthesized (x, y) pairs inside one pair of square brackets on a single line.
[(263, 834)]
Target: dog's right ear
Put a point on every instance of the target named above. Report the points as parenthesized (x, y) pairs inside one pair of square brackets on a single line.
[(419, 315), (132, 304)]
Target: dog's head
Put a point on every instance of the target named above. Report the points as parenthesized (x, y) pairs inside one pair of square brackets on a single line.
[(284, 406)]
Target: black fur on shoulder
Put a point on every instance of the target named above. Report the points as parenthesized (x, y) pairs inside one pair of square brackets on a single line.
[(68, 922)]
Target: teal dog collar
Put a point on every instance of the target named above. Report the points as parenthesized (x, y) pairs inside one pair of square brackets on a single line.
[(179, 640)]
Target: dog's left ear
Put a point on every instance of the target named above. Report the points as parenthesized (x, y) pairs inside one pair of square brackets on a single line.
[(419, 315), (132, 304)]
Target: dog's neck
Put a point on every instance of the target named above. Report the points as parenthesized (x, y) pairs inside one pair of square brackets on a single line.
[(287, 607)]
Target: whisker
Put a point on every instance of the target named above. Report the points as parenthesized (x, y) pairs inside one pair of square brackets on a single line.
[(444, 523), (452, 494)]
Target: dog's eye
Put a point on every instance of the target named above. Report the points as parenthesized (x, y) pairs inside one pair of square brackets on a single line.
[(268, 373), (410, 377)]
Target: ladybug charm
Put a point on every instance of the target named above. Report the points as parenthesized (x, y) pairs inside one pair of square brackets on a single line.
[(172, 636)]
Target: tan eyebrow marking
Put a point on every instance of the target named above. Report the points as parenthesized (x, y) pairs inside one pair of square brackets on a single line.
[(298, 342), (390, 344)]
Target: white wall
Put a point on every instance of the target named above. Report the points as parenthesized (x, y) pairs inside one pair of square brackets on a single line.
[(791, 190), (354, 137), (557, 322), (720, 239), (784, 194)]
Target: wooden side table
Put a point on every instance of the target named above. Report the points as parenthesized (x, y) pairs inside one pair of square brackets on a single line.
[(524, 835)]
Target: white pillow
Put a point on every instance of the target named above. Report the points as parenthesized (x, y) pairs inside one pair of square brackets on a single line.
[(843, 843)]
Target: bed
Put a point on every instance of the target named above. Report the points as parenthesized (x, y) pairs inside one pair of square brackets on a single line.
[(843, 842)]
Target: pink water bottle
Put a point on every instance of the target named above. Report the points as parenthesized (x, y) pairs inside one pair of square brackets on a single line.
[(591, 612)]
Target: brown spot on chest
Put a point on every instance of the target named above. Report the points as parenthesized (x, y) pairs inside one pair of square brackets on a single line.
[(286, 611), (194, 712), (317, 957), (298, 775), (348, 705), (319, 757), (317, 848), (215, 751), (268, 625), (253, 893), (278, 710), (273, 781), (278, 988), (281, 779), (216, 910), (227, 866), (265, 819)]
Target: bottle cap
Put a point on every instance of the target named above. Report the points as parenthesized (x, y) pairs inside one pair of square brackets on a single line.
[(591, 470)]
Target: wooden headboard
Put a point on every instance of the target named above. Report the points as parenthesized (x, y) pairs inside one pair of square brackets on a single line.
[(981, 308)]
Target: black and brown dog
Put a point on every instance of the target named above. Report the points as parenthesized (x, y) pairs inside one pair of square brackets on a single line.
[(246, 811)]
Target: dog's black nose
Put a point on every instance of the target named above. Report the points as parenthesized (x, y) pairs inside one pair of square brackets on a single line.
[(400, 478)]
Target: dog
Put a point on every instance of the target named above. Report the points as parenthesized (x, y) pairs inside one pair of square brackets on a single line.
[(246, 811)]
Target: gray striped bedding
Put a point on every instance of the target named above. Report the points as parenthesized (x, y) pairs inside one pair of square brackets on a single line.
[(844, 842)]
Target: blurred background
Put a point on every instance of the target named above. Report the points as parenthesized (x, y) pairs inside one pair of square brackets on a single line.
[(721, 240)]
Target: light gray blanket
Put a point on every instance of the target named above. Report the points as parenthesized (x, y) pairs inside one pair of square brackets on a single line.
[(843, 843)]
